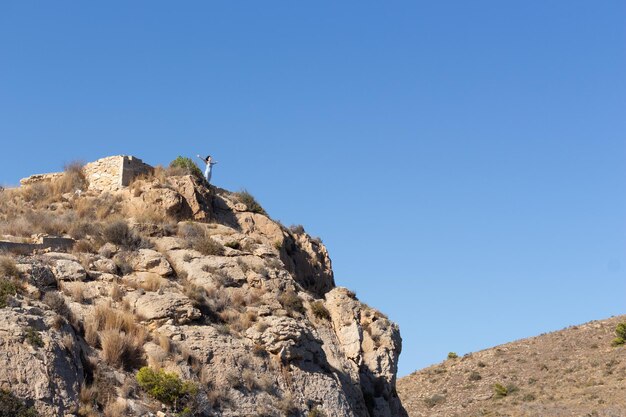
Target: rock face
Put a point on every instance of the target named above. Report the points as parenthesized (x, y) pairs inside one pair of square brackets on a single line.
[(40, 363), (230, 301)]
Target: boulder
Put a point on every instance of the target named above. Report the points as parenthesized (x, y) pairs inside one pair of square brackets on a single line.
[(147, 260), (169, 305), (66, 270)]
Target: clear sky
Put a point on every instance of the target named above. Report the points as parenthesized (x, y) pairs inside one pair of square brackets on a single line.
[(464, 161)]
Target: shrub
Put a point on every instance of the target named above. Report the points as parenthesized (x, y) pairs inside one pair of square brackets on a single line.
[(7, 288), (618, 341), (8, 269), (319, 310), (474, 376), (233, 245), (118, 233), (11, 406), (500, 390), (187, 166), (316, 412), (452, 355), (620, 330), (434, 400), (291, 302), (197, 238), (248, 199), (166, 387), (33, 337), (297, 229)]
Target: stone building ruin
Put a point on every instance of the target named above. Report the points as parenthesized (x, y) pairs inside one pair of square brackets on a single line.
[(106, 174)]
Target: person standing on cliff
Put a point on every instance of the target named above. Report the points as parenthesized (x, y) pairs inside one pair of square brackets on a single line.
[(209, 166)]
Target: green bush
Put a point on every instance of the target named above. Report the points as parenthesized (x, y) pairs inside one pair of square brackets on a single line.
[(500, 390), (316, 412), (33, 337), (11, 406), (248, 199), (620, 330), (319, 310), (166, 387), (7, 288), (618, 341), (187, 165), (452, 355)]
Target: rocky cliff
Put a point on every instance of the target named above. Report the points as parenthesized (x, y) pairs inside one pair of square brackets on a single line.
[(179, 298)]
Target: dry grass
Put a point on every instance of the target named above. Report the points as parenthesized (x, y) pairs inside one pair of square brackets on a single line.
[(153, 283), (117, 408), (198, 239), (116, 293), (75, 291), (8, 268), (117, 333)]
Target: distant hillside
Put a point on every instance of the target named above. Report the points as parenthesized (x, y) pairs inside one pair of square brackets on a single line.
[(571, 372)]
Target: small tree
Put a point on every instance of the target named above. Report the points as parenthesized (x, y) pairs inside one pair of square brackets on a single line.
[(620, 332), (186, 165)]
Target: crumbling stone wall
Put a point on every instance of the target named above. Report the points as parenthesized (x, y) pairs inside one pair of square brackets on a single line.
[(114, 172)]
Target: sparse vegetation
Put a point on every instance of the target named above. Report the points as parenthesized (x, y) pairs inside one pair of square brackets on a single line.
[(452, 355), (250, 202), (166, 387), (11, 406), (433, 400), (291, 302), (319, 310)]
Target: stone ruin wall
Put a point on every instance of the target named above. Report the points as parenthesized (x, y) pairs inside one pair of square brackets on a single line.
[(106, 174), (114, 172)]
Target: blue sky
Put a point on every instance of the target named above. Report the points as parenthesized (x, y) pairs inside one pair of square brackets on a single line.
[(465, 162)]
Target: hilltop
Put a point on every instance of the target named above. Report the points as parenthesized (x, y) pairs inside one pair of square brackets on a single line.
[(571, 372), (130, 290)]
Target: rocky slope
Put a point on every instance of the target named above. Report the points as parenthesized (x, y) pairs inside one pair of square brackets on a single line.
[(572, 372), (179, 299)]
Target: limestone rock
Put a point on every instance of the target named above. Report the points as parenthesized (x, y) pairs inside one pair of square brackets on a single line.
[(147, 260), (45, 370), (66, 270), (155, 306), (105, 265)]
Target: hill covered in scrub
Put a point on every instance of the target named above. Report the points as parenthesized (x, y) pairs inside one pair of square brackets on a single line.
[(154, 294), (578, 371)]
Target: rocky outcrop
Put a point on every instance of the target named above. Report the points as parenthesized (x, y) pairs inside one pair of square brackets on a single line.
[(38, 362), (229, 300)]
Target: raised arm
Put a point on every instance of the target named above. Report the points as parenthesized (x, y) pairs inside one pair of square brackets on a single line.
[(203, 160)]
